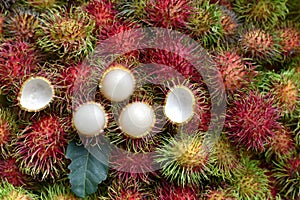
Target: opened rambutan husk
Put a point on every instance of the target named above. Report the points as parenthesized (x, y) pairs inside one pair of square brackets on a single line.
[(251, 120), (40, 147)]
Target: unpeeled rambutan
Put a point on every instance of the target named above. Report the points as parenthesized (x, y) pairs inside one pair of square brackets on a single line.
[(261, 12), (287, 175), (261, 45), (204, 23), (289, 40), (17, 60), (251, 182), (168, 13), (67, 34), (236, 71), (42, 4), (230, 25), (218, 194), (40, 148), (21, 25), (9, 192), (185, 159), (8, 129), (58, 191), (252, 120), (10, 172)]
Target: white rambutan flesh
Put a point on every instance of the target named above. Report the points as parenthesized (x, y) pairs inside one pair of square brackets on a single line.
[(137, 119), (179, 104), (36, 94), (90, 119), (117, 83)]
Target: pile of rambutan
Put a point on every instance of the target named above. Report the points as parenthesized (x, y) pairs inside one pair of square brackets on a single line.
[(150, 99)]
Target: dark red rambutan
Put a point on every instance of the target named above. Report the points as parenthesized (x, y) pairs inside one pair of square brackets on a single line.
[(261, 45), (8, 129), (281, 144), (168, 191), (40, 148), (17, 60), (21, 25), (289, 41), (235, 70), (103, 13), (252, 120), (9, 171), (287, 175), (168, 13)]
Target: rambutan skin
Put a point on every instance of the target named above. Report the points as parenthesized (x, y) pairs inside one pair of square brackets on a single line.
[(251, 121), (40, 148), (8, 128)]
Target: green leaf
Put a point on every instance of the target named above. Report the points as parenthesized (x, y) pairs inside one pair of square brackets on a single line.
[(86, 170)]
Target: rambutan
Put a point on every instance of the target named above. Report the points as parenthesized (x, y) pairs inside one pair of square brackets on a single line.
[(22, 25), (289, 40), (281, 144), (42, 4), (230, 25), (67, 34), (168, 191), (218, 194), (168, 13), (17, 60), (58, 191), (226, 159), (204, 23), (287, 174), (252, 120), (129, 190), (40, 148), (134, 11), (6, 5), (261, 45), (8, 129), (261, 12), (10, 172), (184, 159), (103, 13), (251, 182), (235, 70), (9, 192)]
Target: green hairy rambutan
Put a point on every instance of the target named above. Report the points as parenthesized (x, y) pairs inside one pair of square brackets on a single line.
[(9, 192), (66, 33), (8, 128), (58, 191)]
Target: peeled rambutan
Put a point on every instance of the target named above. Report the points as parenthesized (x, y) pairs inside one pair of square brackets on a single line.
[(252, 182), (261, 45), (129, 190), (40, 148), (252, 120), (21, 25), (261, 12), (103, 13), (287, 175), (168, 191), (17, 60), (235, 70), (184, 159), (10, 192), (67, 34), (289, 40), (10, 172), (281, 144), (204, 23), (8, 129), (168, 13)]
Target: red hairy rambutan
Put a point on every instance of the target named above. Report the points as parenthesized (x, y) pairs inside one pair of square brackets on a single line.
[(252, 120), (9, 171), (17, 60), (168, 13), (235, 70), (168, 191), (289, 41), (40, 148)]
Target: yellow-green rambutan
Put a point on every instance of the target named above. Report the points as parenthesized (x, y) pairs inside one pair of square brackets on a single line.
[(42, 4), (264, 13), (9, 192), (218, 194), (58, 191), (66, 33), (251, 182), (8, 128), (22, 25), (185, 159)]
